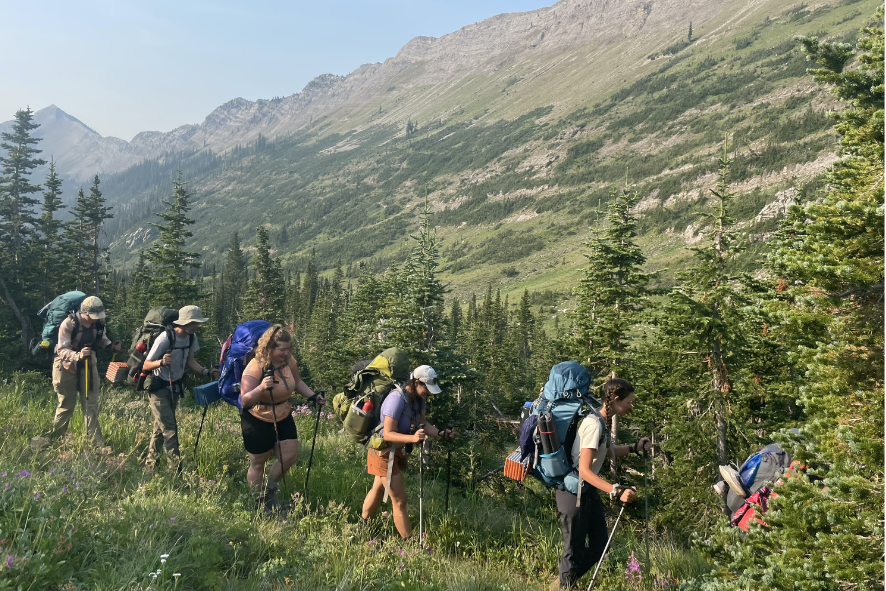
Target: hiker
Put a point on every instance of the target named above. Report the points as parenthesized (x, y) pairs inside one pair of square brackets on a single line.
[(74, 368), (588, 521), (404, 424), (266, 417), (167, 362)]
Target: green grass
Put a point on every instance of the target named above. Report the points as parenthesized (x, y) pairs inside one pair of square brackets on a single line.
[(72, 518)]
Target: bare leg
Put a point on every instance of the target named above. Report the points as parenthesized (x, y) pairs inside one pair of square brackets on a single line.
[(373, 498), (255, 476), (398, 500), (289, 448)]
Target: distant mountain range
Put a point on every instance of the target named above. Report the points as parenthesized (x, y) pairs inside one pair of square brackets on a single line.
[(513, 126)]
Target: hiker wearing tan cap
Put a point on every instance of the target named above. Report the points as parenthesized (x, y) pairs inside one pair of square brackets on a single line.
[(74, 369), (168, 362)]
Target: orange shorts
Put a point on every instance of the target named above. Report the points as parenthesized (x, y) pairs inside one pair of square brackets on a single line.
[(377, 462)]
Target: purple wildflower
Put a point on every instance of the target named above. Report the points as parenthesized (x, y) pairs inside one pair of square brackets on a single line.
[(632, 574), (64, 489), (23, 473), (9, 561), (37, 496), (172, 519), (3, 475)]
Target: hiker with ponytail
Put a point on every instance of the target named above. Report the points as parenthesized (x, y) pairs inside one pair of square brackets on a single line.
[(266, 419), (584, 524)]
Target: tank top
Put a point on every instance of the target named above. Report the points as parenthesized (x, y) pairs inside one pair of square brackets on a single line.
[(282, 390)]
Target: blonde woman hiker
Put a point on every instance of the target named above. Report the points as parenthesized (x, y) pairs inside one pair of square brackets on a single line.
[(266, 416), (404, 423), (75, 371), (168, 361)]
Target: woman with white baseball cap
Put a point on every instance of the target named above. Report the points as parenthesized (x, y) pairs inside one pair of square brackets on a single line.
[(404, 423)]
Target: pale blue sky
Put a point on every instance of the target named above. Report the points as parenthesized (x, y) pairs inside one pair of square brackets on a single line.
[(124, 67)]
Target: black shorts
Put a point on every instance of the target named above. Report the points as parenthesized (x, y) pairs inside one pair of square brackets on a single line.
[(259, 436)]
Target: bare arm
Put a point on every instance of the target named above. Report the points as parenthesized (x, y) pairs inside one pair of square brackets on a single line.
[(393, 436), (585, 461)]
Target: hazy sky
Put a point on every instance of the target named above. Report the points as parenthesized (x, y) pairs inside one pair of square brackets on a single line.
[(124, 67)]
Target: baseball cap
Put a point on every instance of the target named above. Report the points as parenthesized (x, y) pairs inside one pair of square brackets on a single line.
[(93, 308), (426, 375), (190, 314)]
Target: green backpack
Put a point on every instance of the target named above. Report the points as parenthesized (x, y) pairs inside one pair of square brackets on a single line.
[(159, 320), (368, 389)]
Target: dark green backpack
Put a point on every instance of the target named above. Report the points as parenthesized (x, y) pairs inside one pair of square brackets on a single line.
[(158, 320), (371, 384)]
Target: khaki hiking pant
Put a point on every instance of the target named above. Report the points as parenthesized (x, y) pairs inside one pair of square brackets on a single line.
[(163, 404), (69, 387)]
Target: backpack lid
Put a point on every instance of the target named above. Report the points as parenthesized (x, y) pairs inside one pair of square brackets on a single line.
[(393, 363), (162, 315), (246, 337), (567, 376)]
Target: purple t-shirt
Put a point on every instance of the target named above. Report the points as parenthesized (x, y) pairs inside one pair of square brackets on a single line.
[(396, 407)]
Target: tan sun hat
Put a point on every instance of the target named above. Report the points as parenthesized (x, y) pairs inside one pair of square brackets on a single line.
[(93, 307), (190, 314)]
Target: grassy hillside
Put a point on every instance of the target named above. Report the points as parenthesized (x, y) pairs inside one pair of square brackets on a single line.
[(75, 519), (519, 165)]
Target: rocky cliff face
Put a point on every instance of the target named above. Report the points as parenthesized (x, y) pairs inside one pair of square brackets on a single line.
[(474, 50)]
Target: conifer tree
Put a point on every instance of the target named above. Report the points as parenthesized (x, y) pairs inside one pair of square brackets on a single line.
[(90, 212), (17, 219), (54, 266), (233, 284), (612, 291), (265, 295), (829, 253), (171, 264)]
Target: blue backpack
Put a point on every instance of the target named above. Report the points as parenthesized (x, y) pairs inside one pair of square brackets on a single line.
[(547, 435), (242, 346), (53, 314)]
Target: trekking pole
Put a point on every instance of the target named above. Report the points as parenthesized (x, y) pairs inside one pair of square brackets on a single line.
[(448, 466), (270, 372), (606, 547), (313, 442), (646, 504), (200, 430), (421, 489)]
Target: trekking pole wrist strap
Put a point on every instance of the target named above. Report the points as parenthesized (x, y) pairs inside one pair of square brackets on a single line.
[(616, 489)]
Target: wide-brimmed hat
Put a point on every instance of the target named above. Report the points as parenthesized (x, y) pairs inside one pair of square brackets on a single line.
[(190, 314), (93, 307), (426, 375)]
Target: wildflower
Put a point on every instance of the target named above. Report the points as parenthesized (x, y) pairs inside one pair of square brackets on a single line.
[(7, 486), (372, 541), (9, 561), (3, 475), (176, 575), (402, 552), (632, 574), (164, 556), (385, 514), (64, 489), (23, 473), (162, 561), (36, 496), (172, 519)]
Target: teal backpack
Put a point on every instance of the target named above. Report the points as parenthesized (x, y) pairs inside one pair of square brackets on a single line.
[(548, 434), (53, 314)]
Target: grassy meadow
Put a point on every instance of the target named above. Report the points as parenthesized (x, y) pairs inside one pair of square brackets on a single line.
[(74, 518)]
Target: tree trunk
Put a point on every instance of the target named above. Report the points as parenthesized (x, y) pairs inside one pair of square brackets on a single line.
[(27, 331)]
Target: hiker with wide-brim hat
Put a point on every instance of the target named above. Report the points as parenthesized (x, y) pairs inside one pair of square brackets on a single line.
[(75, 371), (583, 525), (168, 362), (266, 416), (404, 424)]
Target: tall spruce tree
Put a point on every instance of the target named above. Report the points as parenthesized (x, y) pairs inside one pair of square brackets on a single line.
[(828, 534), (172, 265), (612, 290), (233, 284), (17, 218), (265, 295), (54, 268), (90, 213)]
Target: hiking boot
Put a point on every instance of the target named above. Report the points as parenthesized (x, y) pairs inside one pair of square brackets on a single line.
[(720, 488), (733, 479), (38, 443)]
